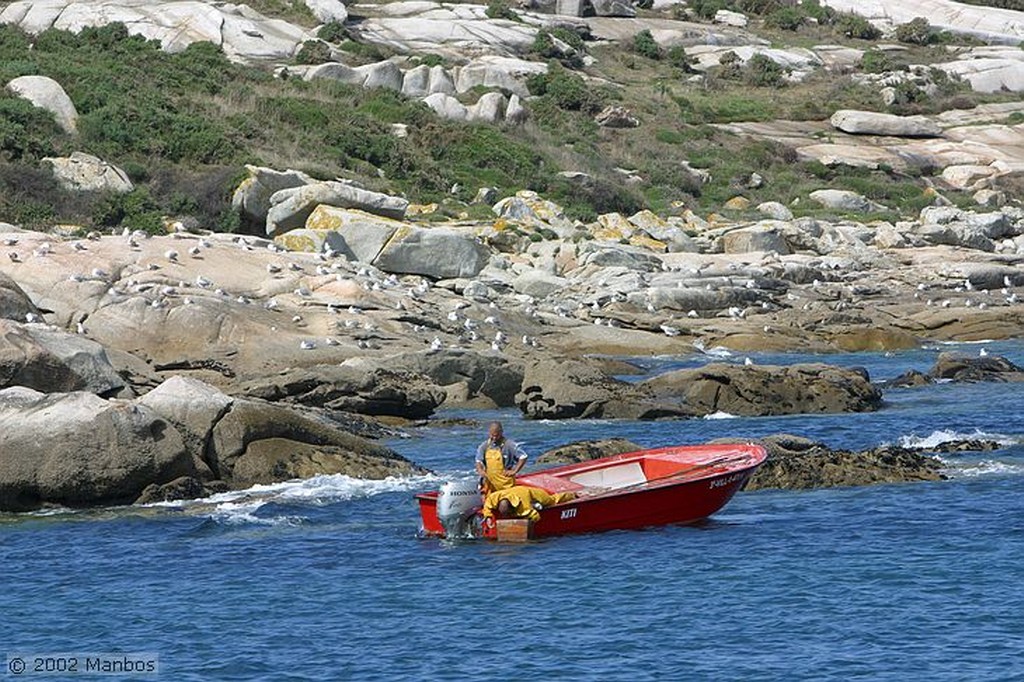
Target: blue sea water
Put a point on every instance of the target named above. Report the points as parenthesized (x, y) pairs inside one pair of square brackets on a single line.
[(326, 579)]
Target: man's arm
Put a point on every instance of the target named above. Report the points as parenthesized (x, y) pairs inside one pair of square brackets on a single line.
[(518, 451), (479, 463)]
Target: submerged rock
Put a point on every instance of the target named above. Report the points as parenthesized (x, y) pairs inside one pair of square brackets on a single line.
[(798, 463), (586, 450), (958, 367)]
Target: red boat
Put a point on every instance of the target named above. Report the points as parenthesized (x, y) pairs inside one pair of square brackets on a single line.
[(678, 484)]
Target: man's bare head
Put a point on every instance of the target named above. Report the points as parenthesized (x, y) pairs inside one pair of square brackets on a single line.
[(496, 432), (504, 509)]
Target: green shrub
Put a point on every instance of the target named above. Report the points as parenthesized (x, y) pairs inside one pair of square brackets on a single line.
[(26, 132), (815, 10), (645, 45), (678, 58), (136, 210), (313, 52), (500, 9), (706, 9), (877, 61), (332, 32), (917, 31), (566, 90), (785, 18), (762, 71), (853, 26)]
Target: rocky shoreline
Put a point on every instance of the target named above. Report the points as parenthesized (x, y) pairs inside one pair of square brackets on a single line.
[(203, 361)]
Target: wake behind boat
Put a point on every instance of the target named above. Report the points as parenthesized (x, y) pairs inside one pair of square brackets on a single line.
[(679, 484)]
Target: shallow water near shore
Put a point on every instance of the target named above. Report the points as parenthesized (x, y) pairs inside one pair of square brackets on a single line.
[(326, 579)]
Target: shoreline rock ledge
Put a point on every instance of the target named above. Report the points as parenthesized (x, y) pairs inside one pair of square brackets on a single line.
[(184, 438)]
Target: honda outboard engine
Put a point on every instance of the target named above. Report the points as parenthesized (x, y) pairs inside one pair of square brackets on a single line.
[(457, 503)]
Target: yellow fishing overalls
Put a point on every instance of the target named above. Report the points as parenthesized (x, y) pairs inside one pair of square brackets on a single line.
[(494, 467), (521, 498)]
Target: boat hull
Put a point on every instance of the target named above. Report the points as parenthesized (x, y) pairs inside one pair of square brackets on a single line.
[(705, 480)]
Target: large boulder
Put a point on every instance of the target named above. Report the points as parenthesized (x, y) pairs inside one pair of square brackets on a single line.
[(46, 93), (613, 8), (289, 208), (257, 442), (845, 200), (487, 375), (78, 449), (14, 302), (570, 389), (53, 361), (240, 31), (587, 450), (966, 368), (192, 407), (356, 235), (252, 196), (327, 11), (759, 390), (379, 392), (87, 173), (755, 238), (798, 463), (874, 123), (440, 253)]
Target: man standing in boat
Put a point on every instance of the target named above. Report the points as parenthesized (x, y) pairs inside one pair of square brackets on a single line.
[(498, 460)]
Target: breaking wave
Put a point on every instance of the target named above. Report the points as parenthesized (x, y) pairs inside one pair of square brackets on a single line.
[(241, 506), (720, 415), (939, 437)]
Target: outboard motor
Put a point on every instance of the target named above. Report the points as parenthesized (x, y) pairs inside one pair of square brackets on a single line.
[(457, 503)]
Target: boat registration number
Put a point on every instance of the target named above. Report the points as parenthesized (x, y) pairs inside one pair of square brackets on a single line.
[(569, 513), (718, 483)]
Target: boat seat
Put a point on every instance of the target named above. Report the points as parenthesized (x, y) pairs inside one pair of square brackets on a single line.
[(619, 476)]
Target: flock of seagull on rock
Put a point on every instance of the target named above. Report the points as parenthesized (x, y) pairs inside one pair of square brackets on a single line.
[(405, 294)]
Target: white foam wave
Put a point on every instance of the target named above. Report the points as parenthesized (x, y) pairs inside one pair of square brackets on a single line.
[(937, 438), (985, 467), (240, 506), (720, 415), (717, 351)]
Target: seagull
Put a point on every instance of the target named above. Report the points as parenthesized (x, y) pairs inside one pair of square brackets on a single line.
[(273, 269), (355, 310), (1007, 282), (748, 362), (495, 346), (303, 292), (194, 251), (946, 303), (307, 345), (294, 267), (10, 241), (1012, 298), (206, 243), (79, 246), (321, 270), (271, 304), (80, 328), (171, 255), (331, 341), (202, 282), (13, 255), (100, 273), (436, 344), (297, 318), (43, 250), (453, 316), (186, 301), (76, 277), (670, 331), (32, 317), (982, 353), (692, 313)]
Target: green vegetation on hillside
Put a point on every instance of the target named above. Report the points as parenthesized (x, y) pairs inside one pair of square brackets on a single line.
[(183, 126)]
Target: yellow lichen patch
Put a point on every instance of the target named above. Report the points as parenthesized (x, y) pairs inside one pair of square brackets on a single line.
[(303, 242), (646, 242), (421, 209), (737, 204), (332, 218)]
